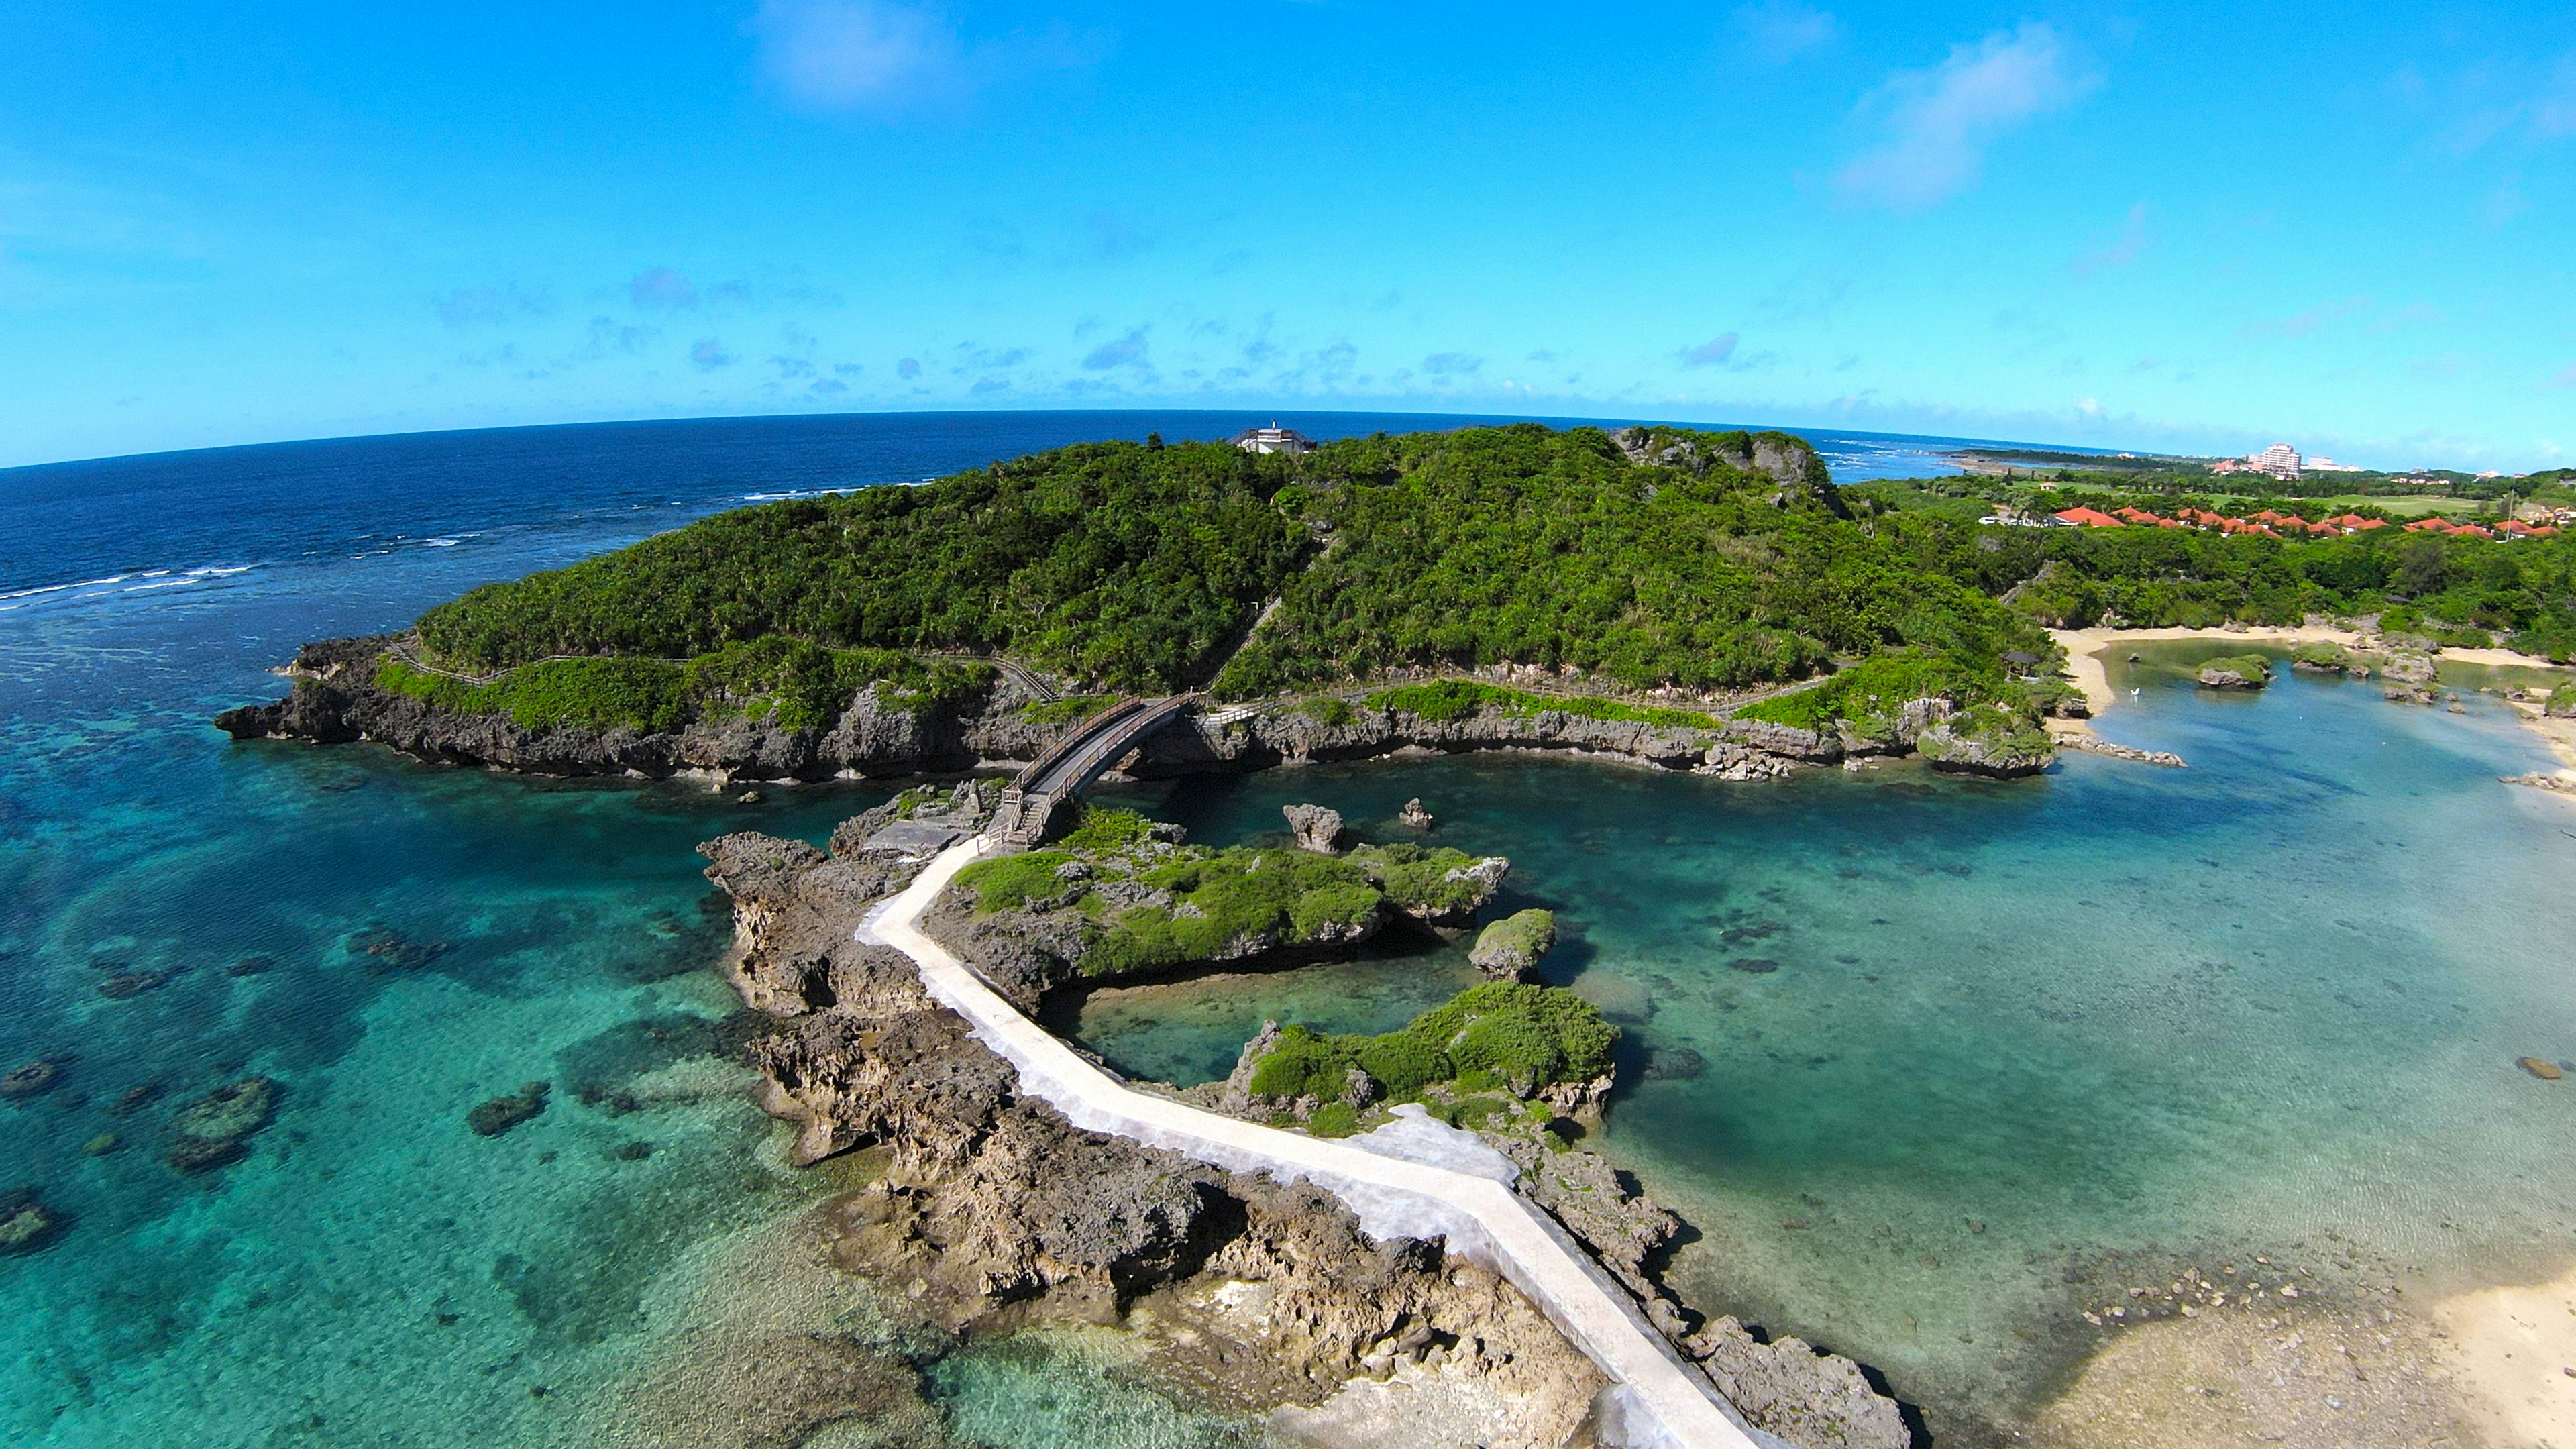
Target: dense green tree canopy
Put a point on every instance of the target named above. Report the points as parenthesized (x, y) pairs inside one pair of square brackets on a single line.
[(1146, 568)]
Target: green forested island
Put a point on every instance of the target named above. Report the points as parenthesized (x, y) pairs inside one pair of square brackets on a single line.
[(1658, 575)]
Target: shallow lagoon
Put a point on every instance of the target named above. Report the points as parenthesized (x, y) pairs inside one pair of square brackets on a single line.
[(2017, 1029), (2314, 1030)]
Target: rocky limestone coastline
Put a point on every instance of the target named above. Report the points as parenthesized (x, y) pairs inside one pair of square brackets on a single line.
[(993, 1212), (336, 700)]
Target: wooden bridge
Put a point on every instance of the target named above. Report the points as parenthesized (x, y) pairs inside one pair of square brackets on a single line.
[(1076, 761)]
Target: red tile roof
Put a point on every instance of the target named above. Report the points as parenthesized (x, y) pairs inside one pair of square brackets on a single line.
[(2089, 517)]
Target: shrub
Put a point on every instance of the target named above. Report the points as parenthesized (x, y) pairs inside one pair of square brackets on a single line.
[(1344, 907), (1416, 877), (1876, 688), (1303, 1065), (1006, 883), (1068, 709), (1531, 1035), (1107, 828), (1401, 1064), (1334, 1119), (1328, 711)]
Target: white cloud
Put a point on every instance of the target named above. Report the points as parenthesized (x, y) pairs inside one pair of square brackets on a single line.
[(1127, 351), (836, 54), (1779, 31), (2122, 250), (662, 287), (1940, 121), (842, 55), (1712, 352)]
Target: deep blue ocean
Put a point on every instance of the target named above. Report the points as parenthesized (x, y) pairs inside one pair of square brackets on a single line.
[(2108, 1011)]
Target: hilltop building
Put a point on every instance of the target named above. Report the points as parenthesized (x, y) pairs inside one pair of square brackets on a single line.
[(1273, 439)]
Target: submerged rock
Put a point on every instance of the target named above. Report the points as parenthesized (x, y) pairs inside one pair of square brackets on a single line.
[(2545, 1070), (1317, 829), (126, 984), (32, 1080), (499, 1115), (27, 1224), (215, 1129), (1509, 949)]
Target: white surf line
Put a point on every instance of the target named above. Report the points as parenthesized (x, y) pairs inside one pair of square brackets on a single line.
[(1659, 1401)]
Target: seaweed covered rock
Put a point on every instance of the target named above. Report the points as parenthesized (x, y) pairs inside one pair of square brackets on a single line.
[(499, 1115), (1509, 949), (2323, 656), (2238, 671), (27, 1225), (31, 1080)]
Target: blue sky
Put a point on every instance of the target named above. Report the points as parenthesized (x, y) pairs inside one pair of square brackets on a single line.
[(2189, 227)]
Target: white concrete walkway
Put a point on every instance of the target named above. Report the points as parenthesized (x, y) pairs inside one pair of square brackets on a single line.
[(1660, 1401)]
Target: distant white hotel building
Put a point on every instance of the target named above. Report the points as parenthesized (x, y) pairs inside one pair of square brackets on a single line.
[(1273, 439), (2283, 461)]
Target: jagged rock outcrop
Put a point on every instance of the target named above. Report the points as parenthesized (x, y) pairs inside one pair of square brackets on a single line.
[(1315, 827), (1413, 816), (1788, 461), (2407, 677), (2001, 755), (1798, 1392)]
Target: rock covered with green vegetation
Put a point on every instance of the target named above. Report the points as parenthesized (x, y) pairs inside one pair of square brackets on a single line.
[(2324, 656), (1510, 949), (2236, 671), (775, 709), (1503, 1051), (1121, 897), (2562, 702)]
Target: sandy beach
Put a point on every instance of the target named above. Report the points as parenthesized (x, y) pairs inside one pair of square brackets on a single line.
[(2085, 665)]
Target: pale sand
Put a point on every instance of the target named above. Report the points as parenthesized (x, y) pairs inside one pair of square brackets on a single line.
[(2511, 1351), (2359, 1376), (2084, 664)]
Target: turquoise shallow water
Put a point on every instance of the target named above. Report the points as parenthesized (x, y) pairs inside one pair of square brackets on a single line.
[(372, 1272), (2013, 1029), (2274, 996)]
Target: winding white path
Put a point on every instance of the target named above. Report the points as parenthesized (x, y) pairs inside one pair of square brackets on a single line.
[(1659, 1401)]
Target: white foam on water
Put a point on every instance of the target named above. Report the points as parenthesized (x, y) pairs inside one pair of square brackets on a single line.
[(58, 588)]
